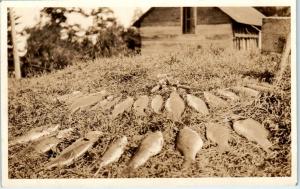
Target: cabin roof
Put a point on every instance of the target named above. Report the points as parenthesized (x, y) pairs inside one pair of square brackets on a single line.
[(243, 15)]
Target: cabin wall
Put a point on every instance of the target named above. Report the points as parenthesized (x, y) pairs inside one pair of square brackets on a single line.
[(162, 16), (161, 30)]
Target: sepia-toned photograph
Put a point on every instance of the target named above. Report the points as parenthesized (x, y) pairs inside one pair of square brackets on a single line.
[(103, 92)]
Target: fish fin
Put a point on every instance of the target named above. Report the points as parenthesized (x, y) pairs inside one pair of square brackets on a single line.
[(74, 110), (267, 149)]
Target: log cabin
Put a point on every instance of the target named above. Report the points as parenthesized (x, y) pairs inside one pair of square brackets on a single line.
[(165, 28)]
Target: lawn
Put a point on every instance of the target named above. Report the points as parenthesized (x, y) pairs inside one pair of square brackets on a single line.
[(31, 105)]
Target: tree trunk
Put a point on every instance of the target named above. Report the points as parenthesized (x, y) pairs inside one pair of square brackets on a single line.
[(14, 42)]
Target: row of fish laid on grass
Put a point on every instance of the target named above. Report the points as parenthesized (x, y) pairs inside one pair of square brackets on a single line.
[(174, 105), (189, 143)]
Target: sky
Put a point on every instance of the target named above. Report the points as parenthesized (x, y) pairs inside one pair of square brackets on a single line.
[(30, 16)]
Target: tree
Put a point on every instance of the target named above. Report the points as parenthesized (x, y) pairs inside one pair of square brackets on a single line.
[(274, 11), (12, 44), (138, 12), (54, 43)]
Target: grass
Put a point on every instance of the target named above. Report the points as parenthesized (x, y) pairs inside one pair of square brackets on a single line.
[(31, 105)]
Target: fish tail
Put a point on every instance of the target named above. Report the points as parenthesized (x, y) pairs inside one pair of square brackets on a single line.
[(186, 164), (98, 170), (50, 165), (127, 171), (266, 144), (224, 148), (12, 143)]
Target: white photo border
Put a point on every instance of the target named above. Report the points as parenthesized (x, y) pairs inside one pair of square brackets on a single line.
[(143, 182)]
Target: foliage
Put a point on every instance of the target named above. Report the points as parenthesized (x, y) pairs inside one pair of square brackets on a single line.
[(132, 38), (47, 50), (136, 15), (275, 11)]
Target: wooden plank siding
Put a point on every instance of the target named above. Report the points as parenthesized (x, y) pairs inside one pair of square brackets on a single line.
[(161, 30), (212, 16), (163, 16), (245, 37)]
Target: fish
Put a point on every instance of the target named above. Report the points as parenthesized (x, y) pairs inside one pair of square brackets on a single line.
[(151, 145), (114, 152), (157, 104), (45, 144), (189, 143), (155, 88), (69, 97), (64, 133), (214, 101), (35, 134), (87, 101), (230, 95), (122, 107), (253, 131), (246, 91), (102, 103), (219, 134), (175, 106), (111, 103), (261, 87), (75, 150), (197, 104), (140, 105)]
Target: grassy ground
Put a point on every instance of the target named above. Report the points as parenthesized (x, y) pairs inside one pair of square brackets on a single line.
[(31, 105)]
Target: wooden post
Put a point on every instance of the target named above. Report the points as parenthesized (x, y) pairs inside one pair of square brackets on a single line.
[(14, 43), (195, 18), (284, 58), (259, 40), (181, 20)]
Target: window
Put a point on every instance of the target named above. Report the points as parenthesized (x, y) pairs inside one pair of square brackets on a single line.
[(188, 20)]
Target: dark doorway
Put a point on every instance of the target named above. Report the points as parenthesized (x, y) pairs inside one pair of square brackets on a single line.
[(188, 20)]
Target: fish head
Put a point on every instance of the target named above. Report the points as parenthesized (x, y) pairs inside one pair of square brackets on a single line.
[(76, 92), (123, 140), (93, 134), (232, 117), (53, 128), (158, 133), (110, 97), (174, 94)]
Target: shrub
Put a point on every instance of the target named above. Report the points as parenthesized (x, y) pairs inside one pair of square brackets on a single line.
[(45, 51)]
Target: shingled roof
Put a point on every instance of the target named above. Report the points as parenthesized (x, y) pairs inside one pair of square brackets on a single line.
[(243, 15)]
